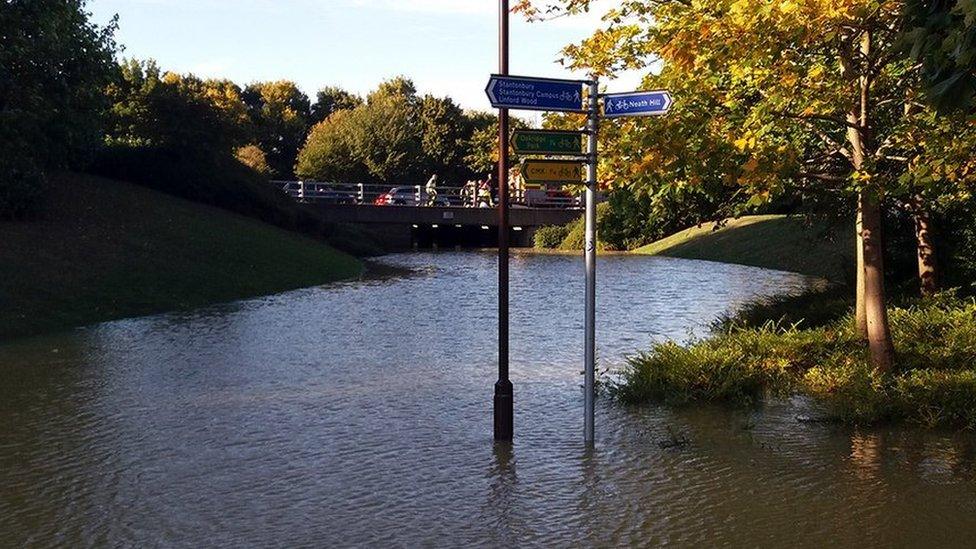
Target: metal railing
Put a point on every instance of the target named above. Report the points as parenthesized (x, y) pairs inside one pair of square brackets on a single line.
[(468, 196)]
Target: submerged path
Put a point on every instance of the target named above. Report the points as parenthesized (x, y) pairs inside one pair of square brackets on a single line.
[(360, 414)]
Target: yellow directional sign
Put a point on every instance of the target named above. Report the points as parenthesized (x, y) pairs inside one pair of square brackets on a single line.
[(552, 171)]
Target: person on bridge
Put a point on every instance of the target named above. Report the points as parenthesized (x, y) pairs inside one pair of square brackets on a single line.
[(469, 194), (484, 193), (431, 190)]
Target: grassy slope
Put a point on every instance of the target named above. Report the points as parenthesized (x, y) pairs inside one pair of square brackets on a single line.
[(770, 241), (107, 249)]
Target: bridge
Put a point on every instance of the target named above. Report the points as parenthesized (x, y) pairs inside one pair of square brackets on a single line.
[(408, 216)]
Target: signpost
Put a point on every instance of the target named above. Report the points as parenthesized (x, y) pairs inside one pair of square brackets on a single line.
[(552, 171), (649, 103), (547, 94), (535, 94), (549, 142), (504, 401)]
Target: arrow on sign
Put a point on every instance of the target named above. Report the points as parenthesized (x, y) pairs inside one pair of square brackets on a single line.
[(535, 94), (649, 103), (552, 171)]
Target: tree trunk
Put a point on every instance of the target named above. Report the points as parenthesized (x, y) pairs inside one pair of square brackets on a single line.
[(928, 274), (879, 334), (860, 314)]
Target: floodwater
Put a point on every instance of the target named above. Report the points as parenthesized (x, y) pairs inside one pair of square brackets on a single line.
[(359, 414)]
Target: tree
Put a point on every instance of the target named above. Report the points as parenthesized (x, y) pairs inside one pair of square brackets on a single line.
[(280, 115), (54, 65), (443, 133), (812, 94), (331, 152), (390, 142), (253, 157), (177, 112), (397, 137), (331, 99), (481, 147)]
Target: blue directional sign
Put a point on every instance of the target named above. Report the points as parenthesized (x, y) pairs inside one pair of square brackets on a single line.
[(647, 103), (535, 94)]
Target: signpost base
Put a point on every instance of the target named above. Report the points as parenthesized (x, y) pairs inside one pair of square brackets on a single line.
[(504, 411)]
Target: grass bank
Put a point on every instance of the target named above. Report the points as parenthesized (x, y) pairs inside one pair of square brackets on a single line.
[(933, 384), (105, 250), (770, 241)]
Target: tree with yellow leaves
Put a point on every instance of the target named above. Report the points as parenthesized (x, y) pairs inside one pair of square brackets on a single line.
[(811, 96)]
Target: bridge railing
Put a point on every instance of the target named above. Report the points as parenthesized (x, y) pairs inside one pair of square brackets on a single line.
[(468, 196)]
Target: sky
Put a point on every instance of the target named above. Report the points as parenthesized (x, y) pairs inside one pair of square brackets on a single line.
[(448, 47)]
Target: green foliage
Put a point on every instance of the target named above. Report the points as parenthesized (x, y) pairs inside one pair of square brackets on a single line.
[(737, 366), (395, 137), (54, 65), (279, 113), (934, 398), (942, 36), (481, 155), (331, 151), (200, 118), (443, 133), (550, 236), (957, 229), (253, 157), (576, 230), (813, 308), (934, 382), (851, 390), (331, 99)]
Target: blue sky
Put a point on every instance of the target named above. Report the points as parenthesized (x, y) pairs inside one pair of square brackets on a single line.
[(448, 47)]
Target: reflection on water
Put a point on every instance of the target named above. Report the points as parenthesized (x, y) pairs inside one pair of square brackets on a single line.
[(360, 414)]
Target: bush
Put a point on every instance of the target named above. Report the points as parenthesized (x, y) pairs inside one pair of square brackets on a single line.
[(935, 333), (550, 236), (221, 182), (850, 390), (934, 398), (576, 230), (814, 308), (737, 366), (934, 382)]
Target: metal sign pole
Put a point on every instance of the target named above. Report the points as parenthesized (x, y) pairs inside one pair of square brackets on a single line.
[(593, 127), (503, 403)]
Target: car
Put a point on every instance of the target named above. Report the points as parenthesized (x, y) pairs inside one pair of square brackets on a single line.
[(407, 196), (329, 196)]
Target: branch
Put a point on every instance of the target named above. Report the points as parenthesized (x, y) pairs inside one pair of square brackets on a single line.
[(823, 177), (821, 117)]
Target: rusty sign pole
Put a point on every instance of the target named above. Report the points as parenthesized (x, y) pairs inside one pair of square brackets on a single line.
[(504, 394)]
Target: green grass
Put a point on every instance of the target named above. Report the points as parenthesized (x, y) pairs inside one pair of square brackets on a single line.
[(933, 384), (105, 250), (771, 241)]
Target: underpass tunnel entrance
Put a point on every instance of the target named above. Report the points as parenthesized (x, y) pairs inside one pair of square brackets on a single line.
[(466, 236)]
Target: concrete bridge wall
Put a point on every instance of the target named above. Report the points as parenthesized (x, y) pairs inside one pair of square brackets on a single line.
[(403, 227), (413, 215)]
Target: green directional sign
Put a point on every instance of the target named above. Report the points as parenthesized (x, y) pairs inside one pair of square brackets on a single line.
[(547, 142)]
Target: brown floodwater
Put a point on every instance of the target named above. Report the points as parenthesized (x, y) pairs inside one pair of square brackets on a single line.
[(359, 414)]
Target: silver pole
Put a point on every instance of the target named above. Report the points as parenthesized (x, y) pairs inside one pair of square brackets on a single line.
[(592, 127)]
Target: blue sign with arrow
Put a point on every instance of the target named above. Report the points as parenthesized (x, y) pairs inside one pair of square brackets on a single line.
[(535, 94), (647, 103)]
